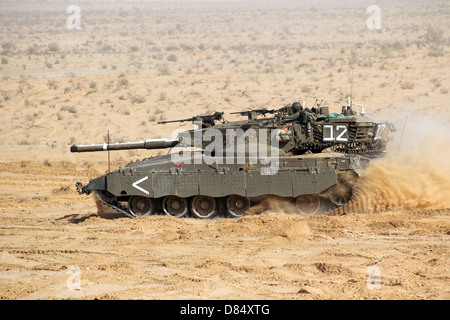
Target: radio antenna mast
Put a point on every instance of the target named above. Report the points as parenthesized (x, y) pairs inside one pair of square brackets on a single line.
[(109, 159), (351, 77)]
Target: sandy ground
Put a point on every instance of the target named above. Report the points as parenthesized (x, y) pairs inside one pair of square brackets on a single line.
[(127, 69), (46, 234)]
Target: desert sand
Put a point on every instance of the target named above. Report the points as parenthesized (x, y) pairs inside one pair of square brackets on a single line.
[(132, 64)]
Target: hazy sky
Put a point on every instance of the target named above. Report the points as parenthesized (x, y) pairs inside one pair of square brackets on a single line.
[(56, 5)]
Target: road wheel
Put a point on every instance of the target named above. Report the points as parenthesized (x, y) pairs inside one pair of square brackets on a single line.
[(175, 206), (141, 206), (204, 207), (236, 206), (308, 204)]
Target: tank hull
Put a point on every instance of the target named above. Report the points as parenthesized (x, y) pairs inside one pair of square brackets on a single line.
[(155, 180)]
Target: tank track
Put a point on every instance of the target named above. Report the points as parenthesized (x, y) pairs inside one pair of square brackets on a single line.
[(116, 206), (352, 206), (355, 205)]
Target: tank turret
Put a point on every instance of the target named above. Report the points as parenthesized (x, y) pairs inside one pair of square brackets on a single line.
[(300, 130)]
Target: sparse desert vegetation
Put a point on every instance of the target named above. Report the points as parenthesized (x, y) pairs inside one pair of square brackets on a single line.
[(191, 60), (134, 63)]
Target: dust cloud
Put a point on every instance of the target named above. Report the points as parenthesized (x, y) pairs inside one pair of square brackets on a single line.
[(415, 174)]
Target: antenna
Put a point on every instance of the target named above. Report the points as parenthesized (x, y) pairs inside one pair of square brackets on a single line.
[(109, 163), (351, 78), (403, 131)]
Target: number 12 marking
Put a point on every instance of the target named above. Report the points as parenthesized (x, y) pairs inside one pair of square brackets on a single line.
[(339, 130), (380, 130)]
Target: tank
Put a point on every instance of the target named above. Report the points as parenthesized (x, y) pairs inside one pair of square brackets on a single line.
[(305, 156)]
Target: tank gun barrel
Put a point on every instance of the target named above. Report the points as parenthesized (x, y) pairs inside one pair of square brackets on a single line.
[(145, 144)]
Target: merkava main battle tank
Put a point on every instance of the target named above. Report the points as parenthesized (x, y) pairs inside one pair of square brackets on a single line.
[(306, 156)]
